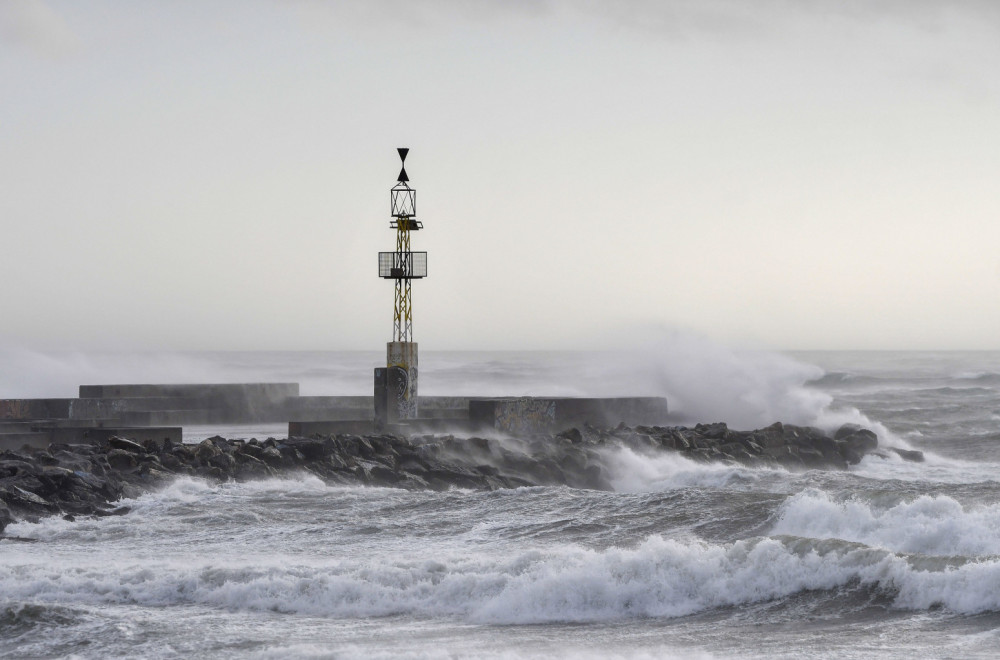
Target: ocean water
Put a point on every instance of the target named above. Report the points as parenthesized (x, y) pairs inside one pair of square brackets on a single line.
[(887, 560)]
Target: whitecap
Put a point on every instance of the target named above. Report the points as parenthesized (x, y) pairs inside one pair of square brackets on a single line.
[(931, 525)]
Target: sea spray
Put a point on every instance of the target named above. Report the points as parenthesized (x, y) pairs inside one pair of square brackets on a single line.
[(631, 471), (707, 381)]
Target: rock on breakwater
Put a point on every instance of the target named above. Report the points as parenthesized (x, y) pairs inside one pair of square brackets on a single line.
[(73, 480)]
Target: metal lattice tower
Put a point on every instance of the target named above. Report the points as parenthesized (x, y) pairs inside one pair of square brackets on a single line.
[(403, 265), (396, 384), (402, 316)]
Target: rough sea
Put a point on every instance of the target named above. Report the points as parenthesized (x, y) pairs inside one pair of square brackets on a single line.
[(890, 559)]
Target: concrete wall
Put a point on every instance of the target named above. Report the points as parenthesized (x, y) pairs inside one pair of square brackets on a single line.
[(358, 427), (236, 391), (540, 414), (200, 403), (25, 409), (116, 408)]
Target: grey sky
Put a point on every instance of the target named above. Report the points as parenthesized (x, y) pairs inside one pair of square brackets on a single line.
[(186, 175)]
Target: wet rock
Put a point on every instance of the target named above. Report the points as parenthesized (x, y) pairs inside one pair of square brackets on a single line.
[(912, 455), (155, 476), (82, 480), (772, 436), (171, 462), (737, 452), (594, 478), (860, 442), (6, 517), (382, 475), (15, 495), (385, 446), (716, 431), (119, 459), (846, 430), (224, 462), (365, 449), (126, 445), (252, 468), (785, 455), (573, 435), (675, 440), (183, 453), (310, 449), (412, 481), (445, 477), (337, 462), (54, 478), (812, 458), (12, 468), (207, 450), (252, 448), (271, 456)]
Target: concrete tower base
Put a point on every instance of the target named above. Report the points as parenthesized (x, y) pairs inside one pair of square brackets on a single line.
[(396, 385)]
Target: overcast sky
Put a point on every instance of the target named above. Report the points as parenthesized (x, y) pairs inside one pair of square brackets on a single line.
[(214, 175)]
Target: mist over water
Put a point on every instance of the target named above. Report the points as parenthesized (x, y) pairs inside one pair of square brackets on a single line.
[(704, 381)]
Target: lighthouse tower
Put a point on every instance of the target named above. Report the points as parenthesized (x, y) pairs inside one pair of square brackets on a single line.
[(396, 384)]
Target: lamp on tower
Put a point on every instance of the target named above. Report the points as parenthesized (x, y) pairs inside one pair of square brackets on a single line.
[(403, 197)]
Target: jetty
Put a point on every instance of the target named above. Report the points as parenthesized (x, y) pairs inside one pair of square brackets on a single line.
[(159, 412)]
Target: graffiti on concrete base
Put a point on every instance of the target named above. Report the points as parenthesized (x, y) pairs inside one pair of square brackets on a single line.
[(16, 409), (525, 415), (403, 392)]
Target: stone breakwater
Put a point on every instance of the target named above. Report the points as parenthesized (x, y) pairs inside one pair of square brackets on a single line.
[(73, 480)]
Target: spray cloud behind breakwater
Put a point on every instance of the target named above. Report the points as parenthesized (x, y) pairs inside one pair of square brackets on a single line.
[(704, 380)]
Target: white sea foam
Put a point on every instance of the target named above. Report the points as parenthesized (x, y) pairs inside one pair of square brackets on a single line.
[(631, 472), (659, 578), (473, 648), (168, 511), (931, 525), (934, 469)]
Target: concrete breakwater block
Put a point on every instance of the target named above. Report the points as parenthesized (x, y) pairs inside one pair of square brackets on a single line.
[(232, 391), (406, 428), (28, 409), (323, 408), (205, 403), (543, 414), (195, 403), (117, 408), (344, 408), (182, 417)]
